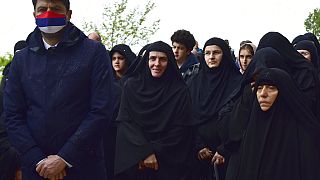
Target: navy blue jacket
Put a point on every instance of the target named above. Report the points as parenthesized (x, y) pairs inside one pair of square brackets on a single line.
[(190, 61), (57, 101)]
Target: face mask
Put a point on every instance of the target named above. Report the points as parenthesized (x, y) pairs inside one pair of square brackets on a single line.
[(51, 22)]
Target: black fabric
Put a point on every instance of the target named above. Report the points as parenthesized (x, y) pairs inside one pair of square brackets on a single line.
[(125, 51), (19, 45), (281, 143), (311, 37), (301, 70), (211, 89), (154, 117), (239, 116), (134, 65), (309, 46)]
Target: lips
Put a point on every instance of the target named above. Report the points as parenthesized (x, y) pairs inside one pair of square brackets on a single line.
[(156, 70), (264, 102)]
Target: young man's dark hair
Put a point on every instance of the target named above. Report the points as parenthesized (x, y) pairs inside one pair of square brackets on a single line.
[(65, 2), (184, 37)]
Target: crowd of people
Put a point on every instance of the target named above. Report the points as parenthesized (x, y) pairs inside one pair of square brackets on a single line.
[(73, 110)]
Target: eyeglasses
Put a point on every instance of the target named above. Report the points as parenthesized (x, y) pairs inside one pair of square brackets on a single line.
[(208, 53)]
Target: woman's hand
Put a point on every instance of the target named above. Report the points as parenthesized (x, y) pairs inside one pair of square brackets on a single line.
[(150, 162), (204, 154), (217, 159)]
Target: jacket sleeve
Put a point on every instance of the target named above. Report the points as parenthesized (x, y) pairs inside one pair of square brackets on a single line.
[(89, 133), (15, 109)]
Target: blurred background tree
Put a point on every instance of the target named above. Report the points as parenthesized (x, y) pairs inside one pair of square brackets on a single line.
[(122, 25), (312, 23), (4, 60)]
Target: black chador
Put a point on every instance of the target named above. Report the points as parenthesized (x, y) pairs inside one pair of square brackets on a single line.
[(154, 118), (282, 141)]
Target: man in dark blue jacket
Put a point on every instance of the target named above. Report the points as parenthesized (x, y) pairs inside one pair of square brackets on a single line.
[(182, 44), (58, 98)]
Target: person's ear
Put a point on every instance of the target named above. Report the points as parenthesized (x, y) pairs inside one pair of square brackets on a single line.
[(34, 14), (68, 15)]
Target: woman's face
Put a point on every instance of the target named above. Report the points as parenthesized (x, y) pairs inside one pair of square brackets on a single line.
[(118, 63), (245, 58), (158, 62), (306, 54), (266, 95), (213, 56)]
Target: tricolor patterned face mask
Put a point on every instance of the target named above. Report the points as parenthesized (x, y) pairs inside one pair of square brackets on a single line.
[(51, 22)]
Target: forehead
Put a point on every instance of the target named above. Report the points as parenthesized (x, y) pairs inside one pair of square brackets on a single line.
[(245, 51), (212, 48), (116, 54), (49, 2), (176, 44), (157, 54)]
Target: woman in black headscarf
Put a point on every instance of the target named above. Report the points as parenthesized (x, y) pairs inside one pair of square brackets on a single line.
[(302, 71), (154, 139), (309, 50), (211, 90), (239, 116), (121, 57), (281, 140), (268, 55)]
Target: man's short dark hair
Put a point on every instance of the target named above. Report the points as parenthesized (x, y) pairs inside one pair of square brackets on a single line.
[(184, 37), (65, 2)]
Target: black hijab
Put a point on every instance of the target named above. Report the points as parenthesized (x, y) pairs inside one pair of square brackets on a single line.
[(154, 113), (311, 37), (264, 58), (309, 46), (212, 88), (281, 143), (301, 70), (125, 51), (134, 65), (166, 95)]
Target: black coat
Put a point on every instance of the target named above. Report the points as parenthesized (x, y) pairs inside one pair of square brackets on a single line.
[(57, 101)]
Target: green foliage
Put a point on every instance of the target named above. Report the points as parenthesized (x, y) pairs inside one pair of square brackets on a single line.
[(4, 60), (122, 25), (312, 23)]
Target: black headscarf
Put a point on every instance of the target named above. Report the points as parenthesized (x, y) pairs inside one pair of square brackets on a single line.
[(125, 51), (134, 65), (302, 71), (281, 143), (212, 88), (264, 58), (309, 46), (154, 115), (240, 114), (311, 37)]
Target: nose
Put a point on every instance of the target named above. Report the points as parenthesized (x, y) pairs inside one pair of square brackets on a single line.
[(175, 50), (211, 56), (157, 62), (264, 91)]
